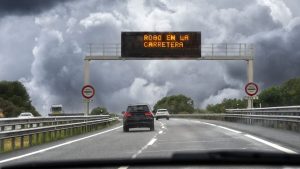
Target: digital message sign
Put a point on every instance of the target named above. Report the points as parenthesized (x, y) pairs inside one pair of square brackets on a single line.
[(161, 44)]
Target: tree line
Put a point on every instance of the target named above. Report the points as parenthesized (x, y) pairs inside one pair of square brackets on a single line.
[(286, 94), (14, 99)]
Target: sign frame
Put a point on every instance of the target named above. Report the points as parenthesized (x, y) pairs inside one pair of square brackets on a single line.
[(164, 45), (88, 86), (256, 87)]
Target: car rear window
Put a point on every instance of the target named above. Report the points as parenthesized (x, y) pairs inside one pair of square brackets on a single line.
[(138, 108)]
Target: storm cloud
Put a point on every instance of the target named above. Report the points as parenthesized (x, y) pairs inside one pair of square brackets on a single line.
[(27, 7), (46, 53)]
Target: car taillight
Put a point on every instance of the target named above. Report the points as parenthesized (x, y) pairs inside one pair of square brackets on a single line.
[(148, 114), (127, 114)]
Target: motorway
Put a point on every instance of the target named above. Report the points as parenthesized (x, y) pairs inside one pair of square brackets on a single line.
[(174, 135)]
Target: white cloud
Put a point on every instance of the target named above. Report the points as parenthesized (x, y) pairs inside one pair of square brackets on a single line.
[(140, 91), (227, 93), (279, 11), (51, 47), (96, 19)]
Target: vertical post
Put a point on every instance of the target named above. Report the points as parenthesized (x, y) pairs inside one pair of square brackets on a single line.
[(250, 79), (87, 107), (103, 49), (226, 49), (86, 82)]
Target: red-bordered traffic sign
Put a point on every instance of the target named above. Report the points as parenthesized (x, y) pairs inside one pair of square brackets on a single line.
[(251, 89), (88, 91)]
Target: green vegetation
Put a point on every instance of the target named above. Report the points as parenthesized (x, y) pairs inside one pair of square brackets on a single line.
[(99, 110), (200, 111), (14, 99), (227, 104), (176, 104), (287, 94)]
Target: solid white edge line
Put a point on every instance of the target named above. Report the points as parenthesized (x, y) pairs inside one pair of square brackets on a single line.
[(229, 129), (209, 124), (123, 167), (56, 146), (278, 147)]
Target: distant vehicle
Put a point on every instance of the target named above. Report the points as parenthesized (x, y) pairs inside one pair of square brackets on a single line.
[(138, 116), (26, 115), (56, 109), (162, 113)]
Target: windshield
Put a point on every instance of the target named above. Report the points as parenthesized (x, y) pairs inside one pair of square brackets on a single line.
[(56, 109), (138, 79), (138, 108)]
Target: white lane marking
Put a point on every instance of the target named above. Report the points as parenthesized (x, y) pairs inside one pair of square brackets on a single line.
[(123, 167), (209, 124), (56, 146), (162, 125), (235, 131), (278, 147), (151, 142), (229, 129), (160, 132)]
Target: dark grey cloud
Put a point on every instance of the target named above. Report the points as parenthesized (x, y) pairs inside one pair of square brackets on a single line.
[(278, 56), (27, 7), (56, 40)]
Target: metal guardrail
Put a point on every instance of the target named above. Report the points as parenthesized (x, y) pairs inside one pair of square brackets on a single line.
[(287, 118), (222, 51), (18, 133), (22, 123), (285, 110)]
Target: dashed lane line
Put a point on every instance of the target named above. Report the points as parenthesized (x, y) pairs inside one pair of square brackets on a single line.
[(151, 142)]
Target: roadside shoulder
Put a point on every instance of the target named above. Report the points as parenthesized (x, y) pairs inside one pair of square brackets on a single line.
[(284, 137)]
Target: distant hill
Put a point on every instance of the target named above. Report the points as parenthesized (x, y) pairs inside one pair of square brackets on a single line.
[(14, 99)]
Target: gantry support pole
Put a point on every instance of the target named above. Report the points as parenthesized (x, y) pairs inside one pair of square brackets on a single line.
[(250, 79), (86, 77)]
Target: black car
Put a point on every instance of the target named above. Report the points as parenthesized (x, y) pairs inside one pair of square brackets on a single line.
[(138, 116)]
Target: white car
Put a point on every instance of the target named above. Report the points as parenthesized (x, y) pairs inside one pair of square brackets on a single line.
[(26, 115), (162, 113)]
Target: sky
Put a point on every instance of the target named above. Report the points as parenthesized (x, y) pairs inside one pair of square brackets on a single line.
[(43, 44)]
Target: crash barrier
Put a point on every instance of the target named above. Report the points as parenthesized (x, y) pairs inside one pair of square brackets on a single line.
[(18, 133), (287, 117)]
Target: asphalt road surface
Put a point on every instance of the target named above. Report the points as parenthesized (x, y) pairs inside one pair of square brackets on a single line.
[(174, 135)]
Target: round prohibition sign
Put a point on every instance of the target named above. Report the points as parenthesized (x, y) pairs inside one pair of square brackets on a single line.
[(88, 91), (251, 89)]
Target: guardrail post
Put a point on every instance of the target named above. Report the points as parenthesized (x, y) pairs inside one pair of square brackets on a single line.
[(21, 142), (31, 140), (2, 145), (44, 135), (13, 143)]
